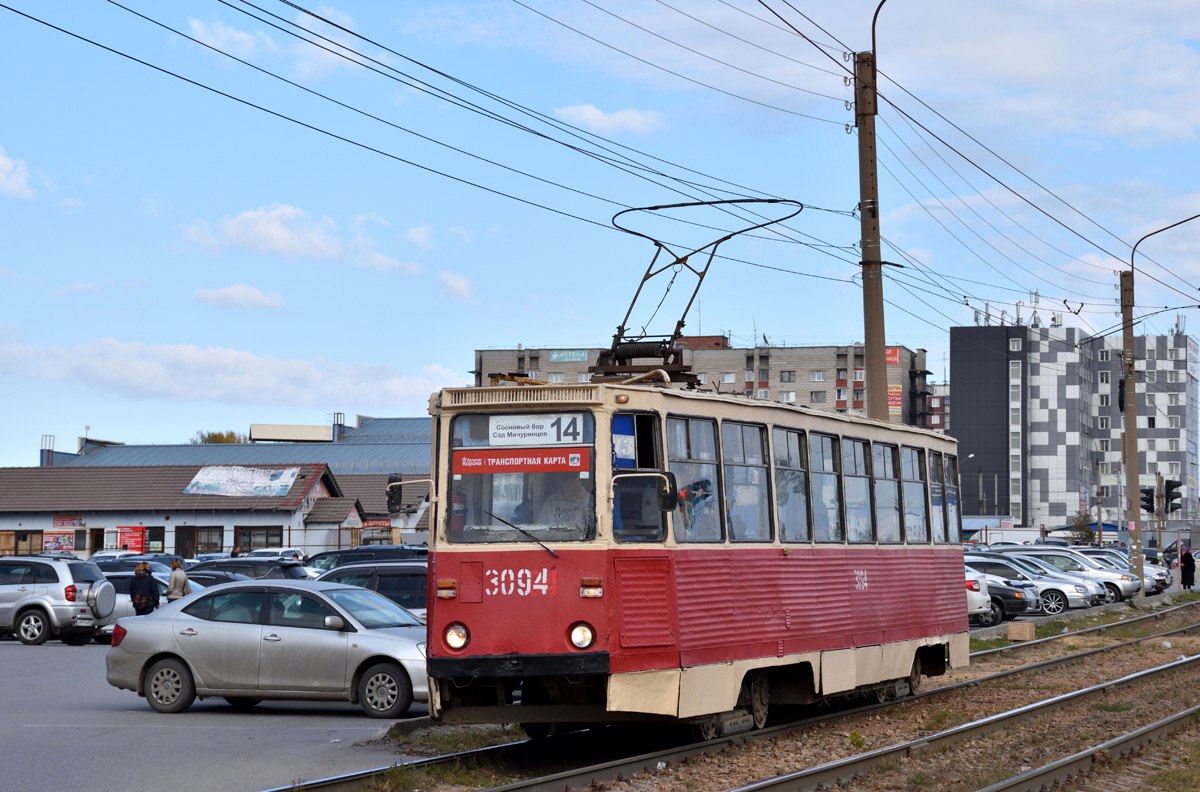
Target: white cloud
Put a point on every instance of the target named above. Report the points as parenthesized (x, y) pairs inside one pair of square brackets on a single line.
[(457, 286), (421, 236), (318, 61), (591, 118), (189, 374), (239, 295), (14, 177), (230, 39), (71, 204), (290, 231)]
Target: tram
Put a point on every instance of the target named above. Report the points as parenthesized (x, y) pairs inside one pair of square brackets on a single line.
[(621, 551)]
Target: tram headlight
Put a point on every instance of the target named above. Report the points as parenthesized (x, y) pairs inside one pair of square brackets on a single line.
[(457, 636), (582, 635)]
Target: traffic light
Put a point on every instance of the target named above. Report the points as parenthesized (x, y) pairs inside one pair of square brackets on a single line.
[(1147, 499), (1172, 496), (393, 493)]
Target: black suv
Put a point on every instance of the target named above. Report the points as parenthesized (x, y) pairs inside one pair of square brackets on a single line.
[(352, 555), (256, 567), (54, 595)]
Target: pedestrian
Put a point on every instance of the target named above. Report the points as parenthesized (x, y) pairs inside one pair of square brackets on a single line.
[(237, 551), (1187, 569), (143, 590), (178, 585)]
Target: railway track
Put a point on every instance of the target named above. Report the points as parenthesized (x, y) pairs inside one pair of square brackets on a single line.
[(644, 765)]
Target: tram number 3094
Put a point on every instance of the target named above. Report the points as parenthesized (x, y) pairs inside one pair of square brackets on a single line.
[(516, 582)]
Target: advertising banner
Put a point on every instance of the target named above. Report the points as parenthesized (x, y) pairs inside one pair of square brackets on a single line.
[(242, 481), (892, 356), (473, 461), (66, 521), (895, 395), (58, 540), (131, 537)]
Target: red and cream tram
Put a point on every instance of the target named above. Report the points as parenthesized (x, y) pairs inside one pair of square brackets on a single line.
[(615, 552)]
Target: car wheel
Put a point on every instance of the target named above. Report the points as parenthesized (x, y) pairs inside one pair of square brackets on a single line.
[(76, 638), (33, 627), (384, 691), (1111, 593), (994, 615), (1053, 602), (169, 686), (242, 702)]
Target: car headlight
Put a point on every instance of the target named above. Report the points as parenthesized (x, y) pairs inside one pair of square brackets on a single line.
[(582, 635), (421, 649), (1081, 589), (457, 636)]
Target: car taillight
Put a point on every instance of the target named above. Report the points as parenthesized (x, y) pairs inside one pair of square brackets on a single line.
[(973, 585), (118, 635), (70, 592)]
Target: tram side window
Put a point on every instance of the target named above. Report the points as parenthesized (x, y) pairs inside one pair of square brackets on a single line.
[(916, 513), (692, 456), (937, 497), (823, 461), (953, 517), (791, 486), (635, 449), (747, 498), (856, 475), (887, 493)]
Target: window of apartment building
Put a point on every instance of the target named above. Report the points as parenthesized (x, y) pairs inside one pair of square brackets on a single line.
[(1014, 393), (1105, 445), (935, 403), (1104, 400), (749, 375), (860, 375), (841, 373), (788, 397), (935, 420), (555, 376), (762, 393), (586, 376), (816, 397), (858, 394), (787, 376), (1173, 354), (726, 376), (816, 376), (1014, 370), (1172, 469), (1173, 421), (702, 377), (532, 373), (1014, 463), (1173, 445), (1102, 468), (840, 394), (1014, 416), (1102, 355), (1173, 399), (1150, 422), (1014, 345), (1103, 377), (1151, 399), (1151, 353), (1151, 377), (1172, 376), (764, 374), (1102, 422)]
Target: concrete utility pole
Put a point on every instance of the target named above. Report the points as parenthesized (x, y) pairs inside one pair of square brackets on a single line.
[(872, 262), (1130, 445)]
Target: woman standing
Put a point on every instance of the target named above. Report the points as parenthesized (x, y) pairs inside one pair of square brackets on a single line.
[(1187, 569), (143, 590), (178, 585)]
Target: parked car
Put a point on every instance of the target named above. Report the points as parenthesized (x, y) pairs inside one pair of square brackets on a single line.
[(1055, 593), (124, 607), (1098, 593), (45, 596), (104, 555), (212, 577), (290, 553), (1157, 579), (403, 582), (255, 567), (1007, 602), (202, 557), (349, 555), (979, 603), (1120, 585), (274, 639), (129, 564)]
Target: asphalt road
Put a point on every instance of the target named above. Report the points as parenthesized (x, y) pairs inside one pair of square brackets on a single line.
[(63, 727)]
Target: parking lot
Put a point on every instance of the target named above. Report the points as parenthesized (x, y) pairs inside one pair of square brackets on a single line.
[(65, 727)]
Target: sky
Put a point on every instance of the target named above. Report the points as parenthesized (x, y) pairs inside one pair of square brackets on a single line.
[(214, 214)]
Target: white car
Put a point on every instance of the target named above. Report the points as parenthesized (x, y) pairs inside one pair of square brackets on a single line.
[(276, 552), (979, 600)]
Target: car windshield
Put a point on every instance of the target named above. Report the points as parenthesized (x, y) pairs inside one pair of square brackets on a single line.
[(372, 610)]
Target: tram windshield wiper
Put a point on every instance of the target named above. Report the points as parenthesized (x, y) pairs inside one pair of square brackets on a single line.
[(522, 530)]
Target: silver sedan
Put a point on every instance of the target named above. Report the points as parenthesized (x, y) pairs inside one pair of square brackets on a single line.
[(274, 639)]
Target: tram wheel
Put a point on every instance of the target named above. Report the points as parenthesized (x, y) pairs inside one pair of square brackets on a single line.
[(538, 731), (707, 729), (914, 676), (760, 698)]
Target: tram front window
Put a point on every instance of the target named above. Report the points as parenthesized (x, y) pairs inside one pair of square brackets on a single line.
[(522, 478)]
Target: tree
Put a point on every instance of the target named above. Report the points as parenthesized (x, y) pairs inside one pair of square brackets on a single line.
[(228, 436), (1081, 530)]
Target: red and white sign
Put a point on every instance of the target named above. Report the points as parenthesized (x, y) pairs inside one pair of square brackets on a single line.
[(377, 522), (522, 460), (131, 537)]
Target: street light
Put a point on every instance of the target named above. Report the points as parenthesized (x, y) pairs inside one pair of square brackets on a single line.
[(1130, 445)]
